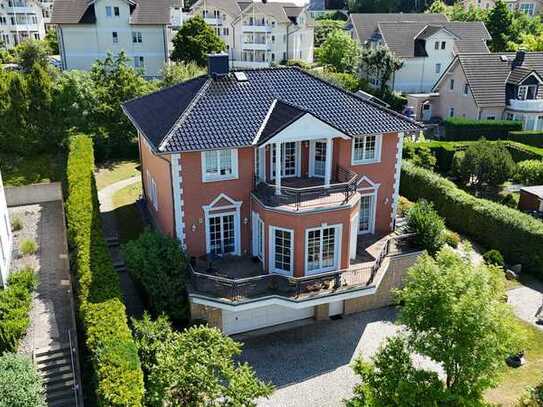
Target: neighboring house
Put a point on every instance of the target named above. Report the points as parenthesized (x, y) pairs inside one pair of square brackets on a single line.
[(319, 8), (531, 199), (20, 20), (488, 86), (530, 7), (258, 34), (425, 43), (47, 12), (291, 175), (88, 30), (6, 238)]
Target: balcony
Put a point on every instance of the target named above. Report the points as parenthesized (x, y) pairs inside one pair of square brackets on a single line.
[(309, 193), (239, 279), (213, 21), (257, 46), (257, 28), (528, 105)]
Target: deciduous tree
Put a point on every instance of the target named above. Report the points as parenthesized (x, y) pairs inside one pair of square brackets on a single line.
[(176, 72), (339, 51), (194, 41), (323, 28), (381, 63)]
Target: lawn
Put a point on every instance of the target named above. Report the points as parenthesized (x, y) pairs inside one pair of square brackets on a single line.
[(110, 172), (128, 217), (18, 170), (515, 381)]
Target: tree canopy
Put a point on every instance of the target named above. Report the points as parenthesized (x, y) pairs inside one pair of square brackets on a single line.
[(194, 41), (380, 62), (339, 51), (323, 28)]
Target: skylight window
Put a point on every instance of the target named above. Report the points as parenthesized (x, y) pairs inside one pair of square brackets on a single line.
[(241, 76)]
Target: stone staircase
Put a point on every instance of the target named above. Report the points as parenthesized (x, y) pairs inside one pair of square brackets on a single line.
[(56, 367)]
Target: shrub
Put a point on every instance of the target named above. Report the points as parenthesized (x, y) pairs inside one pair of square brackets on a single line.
[(20, 383), (157, 263), (518, 236), (16, 224), (428, 225), (345, 80), (419, 154), (404, 205), (530, 137), (28, 246), (494, 258), (15, 303), (118, 378), (529, 172), (532, 398), (459, 128), (509, 200), (452, 238)]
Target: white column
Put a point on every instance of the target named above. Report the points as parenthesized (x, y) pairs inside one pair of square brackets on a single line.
[(328, 164), (261, 163), (277, 168)]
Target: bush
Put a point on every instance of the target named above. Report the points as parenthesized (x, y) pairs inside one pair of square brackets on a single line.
[(157, 264), (404, 205), (419, 154), (509, 200), (532, 398), (20, 383), (452, 238), (428, 225), (16, 224), (15, 303), (459, 128), (518, 236), (118, 378), (344, 80), (28, 246), (493, 257), (531, 138), (529, 172)]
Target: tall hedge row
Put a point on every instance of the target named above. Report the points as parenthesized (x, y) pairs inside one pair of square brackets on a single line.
[(460, 128), (519, 237), (118, 378), (530, 137)]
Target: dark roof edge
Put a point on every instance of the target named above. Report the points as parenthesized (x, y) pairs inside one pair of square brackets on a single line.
[(138, 128)]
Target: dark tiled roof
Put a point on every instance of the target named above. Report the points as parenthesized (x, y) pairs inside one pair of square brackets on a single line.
[(230, 7), (225, 113), (487, 74), (518, 74), (400, 37), (144, 12), (366, 24), (281, 114)]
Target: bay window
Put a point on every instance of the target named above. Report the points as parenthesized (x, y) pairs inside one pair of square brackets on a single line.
[(219, 165)]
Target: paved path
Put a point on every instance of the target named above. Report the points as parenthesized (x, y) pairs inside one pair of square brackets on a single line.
[(133, 302), (527, 301)]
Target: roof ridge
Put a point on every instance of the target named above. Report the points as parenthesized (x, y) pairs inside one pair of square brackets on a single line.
[(185, 113)]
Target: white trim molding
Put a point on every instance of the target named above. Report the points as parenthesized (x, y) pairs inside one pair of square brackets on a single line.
[(271, 240), (178, 203), (378, 146), (233, 163), (338, 235), (232, 209), (397, 175)]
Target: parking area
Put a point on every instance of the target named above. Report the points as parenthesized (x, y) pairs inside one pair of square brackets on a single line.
[(310, 364)]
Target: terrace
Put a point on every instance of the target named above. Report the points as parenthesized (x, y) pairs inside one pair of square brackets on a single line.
[(238, 279)]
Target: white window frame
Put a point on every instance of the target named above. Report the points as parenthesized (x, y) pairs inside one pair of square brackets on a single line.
[(213, 178), (378, 145), (271, 239), (523, 92), (451, 111), (116, 11), (212, 210), (109, 11), (152, 190), (338, 233), (451, 84), (283, 155), (438, 68), (527, 8), (139, 62), (137, 37), (209, 216), (259, 239), (373, 212), (466, 89)]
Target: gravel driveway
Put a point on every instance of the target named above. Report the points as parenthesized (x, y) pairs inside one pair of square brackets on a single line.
[(310, 365)]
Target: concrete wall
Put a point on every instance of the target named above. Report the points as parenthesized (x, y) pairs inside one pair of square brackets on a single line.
[(32, 194)]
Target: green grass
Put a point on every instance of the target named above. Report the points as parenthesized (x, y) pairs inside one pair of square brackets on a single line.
[(515, 382), (18, 170), (128, 218), (110, 172)]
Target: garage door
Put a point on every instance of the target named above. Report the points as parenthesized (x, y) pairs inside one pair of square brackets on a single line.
[(256, 318)]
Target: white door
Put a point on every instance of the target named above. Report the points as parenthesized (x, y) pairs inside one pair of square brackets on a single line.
[(354, 236), (367, 214), (281, 251), (256, 318), (318, 157), (289, 162), (258, 236), (426, 111), (322, 249), (222, 234)]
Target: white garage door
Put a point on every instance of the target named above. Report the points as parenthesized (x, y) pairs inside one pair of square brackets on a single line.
[(256, 318)]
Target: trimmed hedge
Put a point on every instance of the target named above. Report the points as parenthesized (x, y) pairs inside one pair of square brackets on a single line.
[(460, 128), (116, 367), (518, 236), (532, 138)]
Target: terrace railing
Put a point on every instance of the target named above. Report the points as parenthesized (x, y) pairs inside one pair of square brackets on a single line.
[(298, 288)]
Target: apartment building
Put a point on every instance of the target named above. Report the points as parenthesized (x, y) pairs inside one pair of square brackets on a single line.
[(530, 7), (88, 31), (20, 20), (259, 34), (425, 43), (282, 189), (6, 238)]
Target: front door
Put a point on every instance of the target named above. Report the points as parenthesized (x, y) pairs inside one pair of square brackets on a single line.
[(319, 159), (222, 236)]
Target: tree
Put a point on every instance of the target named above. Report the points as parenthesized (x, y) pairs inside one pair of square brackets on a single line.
[(13, 133), (158, 264), (323, 28), (31, 52), (176, 72), (194, 41), (424, 220), (195, 367), (419, 154), (381, 63), (374, 6), (20, 383), (499, 24), (52, 41), (339, 51), (455, 315), (485, 162), (41, 123)]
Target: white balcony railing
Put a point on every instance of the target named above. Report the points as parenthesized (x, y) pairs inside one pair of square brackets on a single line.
[(213, 21), (257, 28), (530, 105), (257, 46)]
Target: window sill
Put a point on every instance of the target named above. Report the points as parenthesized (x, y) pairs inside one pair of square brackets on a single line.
[(355, 163), (217, 179)]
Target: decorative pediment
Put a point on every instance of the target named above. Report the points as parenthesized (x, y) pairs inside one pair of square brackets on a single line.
[(366, 183), (222, 201)]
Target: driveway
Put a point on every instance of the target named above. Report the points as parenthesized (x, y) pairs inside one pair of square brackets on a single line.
[(310, 365)]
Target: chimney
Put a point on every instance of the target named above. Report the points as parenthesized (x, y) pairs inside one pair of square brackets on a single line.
[(519, 59), (217, 65), (264, 1)]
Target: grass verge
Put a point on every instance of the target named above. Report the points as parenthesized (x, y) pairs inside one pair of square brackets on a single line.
[(17, 170), (110, 172), (128, 217)]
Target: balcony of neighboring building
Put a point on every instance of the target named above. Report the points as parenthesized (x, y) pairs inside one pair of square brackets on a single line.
[(526, 105), (20, 6)]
